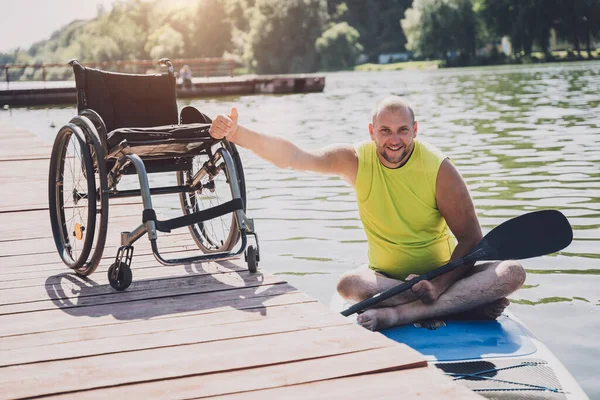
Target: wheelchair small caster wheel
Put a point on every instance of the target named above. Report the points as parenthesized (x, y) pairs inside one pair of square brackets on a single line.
[(124, 279), (252, 259)]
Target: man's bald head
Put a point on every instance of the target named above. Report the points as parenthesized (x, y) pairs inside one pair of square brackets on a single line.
[(392, 103)]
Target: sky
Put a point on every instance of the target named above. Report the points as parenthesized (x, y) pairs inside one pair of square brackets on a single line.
[(24, 22)]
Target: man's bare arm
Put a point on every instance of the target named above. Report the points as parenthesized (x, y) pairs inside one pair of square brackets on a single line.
[(338, 159), (456, 206)]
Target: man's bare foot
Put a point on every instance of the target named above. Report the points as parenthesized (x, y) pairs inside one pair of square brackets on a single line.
[(491, 310), (376, 319), (425, 291)]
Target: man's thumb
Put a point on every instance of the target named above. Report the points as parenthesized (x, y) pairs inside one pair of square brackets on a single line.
[(234, 114)]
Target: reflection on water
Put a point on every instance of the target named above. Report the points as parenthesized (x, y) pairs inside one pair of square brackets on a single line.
[(524, 138)]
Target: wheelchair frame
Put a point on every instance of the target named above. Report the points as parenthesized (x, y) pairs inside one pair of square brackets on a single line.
[(103, 167)]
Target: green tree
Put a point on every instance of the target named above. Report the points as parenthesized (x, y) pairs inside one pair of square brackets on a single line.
[(377, 22), (526, 22), (212, 29), (165, 42), (591, 19), (182, 21), (578, 21), (282, 35), (440, 27), (8, 58), (116, 34), (238, 13), (338, 47)]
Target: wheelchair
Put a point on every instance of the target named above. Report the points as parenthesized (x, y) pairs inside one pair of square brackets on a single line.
[(128, 124)]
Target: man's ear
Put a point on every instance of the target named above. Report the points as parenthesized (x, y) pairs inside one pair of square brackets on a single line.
[(371, 131), (416, 128)]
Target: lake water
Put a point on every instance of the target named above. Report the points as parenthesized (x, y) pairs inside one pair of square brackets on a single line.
[(525, 138)]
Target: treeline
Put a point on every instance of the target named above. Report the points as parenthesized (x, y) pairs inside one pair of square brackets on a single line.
[(445, 28), (282, 36)]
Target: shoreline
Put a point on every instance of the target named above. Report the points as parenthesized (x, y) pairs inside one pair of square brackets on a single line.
[(438, 64)]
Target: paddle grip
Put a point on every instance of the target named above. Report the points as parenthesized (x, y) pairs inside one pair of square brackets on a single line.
[(379, 297)]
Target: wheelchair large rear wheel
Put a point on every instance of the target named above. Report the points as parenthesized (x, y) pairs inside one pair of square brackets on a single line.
[(94, 130), (72, 198), (220, 234)]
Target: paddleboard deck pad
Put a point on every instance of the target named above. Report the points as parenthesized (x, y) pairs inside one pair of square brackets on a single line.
[(498, 359)]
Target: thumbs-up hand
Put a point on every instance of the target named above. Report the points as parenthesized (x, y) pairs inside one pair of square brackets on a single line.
[(225, 126), (233, 114)]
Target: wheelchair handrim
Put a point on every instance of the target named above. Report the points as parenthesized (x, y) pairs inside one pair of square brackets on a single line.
[(60, 230)]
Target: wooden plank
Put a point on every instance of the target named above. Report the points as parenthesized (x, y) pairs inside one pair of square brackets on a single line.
[(418, 383), (173, 336), (163, 288), (305, 311), (254, 299), (15, 150), (41, 240), (24, 267), (24, 172), (76, 292), (170, 362), (21, 225), (19, 255), (246, 380), (21, 144), (144, 267)]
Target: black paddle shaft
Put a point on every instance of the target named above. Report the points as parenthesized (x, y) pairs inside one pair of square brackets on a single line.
[(526, 236)]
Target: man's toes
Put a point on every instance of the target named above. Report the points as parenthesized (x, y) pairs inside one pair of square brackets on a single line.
[(367, 324), (365, 321)]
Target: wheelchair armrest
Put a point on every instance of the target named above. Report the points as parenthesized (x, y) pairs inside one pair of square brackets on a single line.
[(191, 115)]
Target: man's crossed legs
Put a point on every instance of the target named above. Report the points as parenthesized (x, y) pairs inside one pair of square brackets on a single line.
[(482, 291)]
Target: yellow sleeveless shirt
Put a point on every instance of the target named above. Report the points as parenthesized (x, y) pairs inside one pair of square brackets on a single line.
[(406, 232)]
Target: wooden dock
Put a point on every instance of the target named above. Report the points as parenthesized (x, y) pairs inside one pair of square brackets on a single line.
[(191, 331), (45, 93)]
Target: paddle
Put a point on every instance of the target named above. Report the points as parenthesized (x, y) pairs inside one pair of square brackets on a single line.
[(529, 235)]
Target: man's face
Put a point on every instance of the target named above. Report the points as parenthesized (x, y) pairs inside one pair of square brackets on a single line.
[(393, 132)]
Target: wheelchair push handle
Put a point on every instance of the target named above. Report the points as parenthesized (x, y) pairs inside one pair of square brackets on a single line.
[(165, 62)]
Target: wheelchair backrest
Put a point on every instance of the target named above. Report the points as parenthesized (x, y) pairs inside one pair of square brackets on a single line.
[(126, 100)]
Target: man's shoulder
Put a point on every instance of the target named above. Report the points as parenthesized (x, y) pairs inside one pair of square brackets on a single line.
[(362, 147), (343, 149), (343, 160), (428, 146), (431, 151)]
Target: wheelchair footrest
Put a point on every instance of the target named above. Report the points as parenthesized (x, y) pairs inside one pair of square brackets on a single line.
[(201, 258), (194, 218)]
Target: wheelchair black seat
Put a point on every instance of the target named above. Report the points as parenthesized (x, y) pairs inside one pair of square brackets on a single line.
[(167, 140), (129, 123)]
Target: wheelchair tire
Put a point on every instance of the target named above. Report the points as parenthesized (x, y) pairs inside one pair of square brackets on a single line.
[(252, 259), (123, 280), (90, 124), (73, 224), (220, 234)]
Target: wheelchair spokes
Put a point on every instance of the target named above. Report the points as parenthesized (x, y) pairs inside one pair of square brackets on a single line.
[(209, 180), (73, 215), (78, 203)]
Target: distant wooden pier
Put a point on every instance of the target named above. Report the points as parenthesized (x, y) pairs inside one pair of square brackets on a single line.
[(47, 93), (191, 331)]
